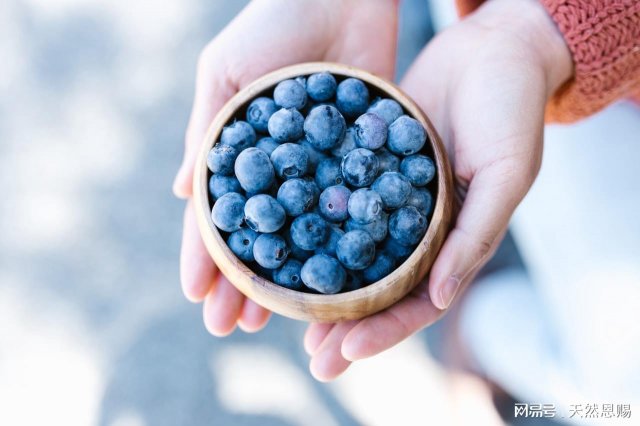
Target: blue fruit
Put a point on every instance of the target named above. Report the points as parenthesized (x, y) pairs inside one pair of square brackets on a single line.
[(354, 281), (254, 170), (419, 169), (352, 97), (324, 274), (315, 156), (221, 158), (370, 131), (296, 252), (288, 275), (264, 214), (407, 226), (220, 185), (387, 162), (259, 112), (346, 145), (330, 246), (360, 167), (382, 265), (365, 205), (290, 161), (228, 212), (286, 125), (422, 200), (241, 243), (387, 109), (321, 86), (314, 188), (406, 136), (397, 251), (394, 189), (378, 229), (239, 135), (329, 173), (290, 94), (296, 197), (356, 250), (309, 231), (324, 127), (270, 251), (267, 144), (333, 203)]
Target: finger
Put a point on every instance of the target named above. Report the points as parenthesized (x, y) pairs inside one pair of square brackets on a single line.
[(222, 307), (253, 316), (315, 334), (385, 329), (197, 270), (494, 193), (328, 362), (212, 90)]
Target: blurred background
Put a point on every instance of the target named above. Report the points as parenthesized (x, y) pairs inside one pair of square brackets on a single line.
[(94, 329)]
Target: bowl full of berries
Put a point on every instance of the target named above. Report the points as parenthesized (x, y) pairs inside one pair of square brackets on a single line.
[(323, 192)]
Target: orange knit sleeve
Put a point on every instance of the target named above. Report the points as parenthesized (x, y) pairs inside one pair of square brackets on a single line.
[(604, 39)]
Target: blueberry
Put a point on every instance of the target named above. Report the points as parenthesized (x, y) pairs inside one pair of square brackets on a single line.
[(254, 170), (378, 229), (382, 265), (419, 169), (264, 214), (354, 281), (321, 86), (290, 160), (329, 247), (407, 226), (221, 158), (228, 212), (290, 94), (387, 109), (365, 205), (288, 275), (270, 250), (397, 251), (239, 135), (333, 203), (314, 188), (296, 197), (315, 156), (360, 167), (352, 97), (259, 112), (296, 252), (309, 231), (370, 131), (356, 249), (241, 243), (387, 161), (329, 173), (286, 125), (324, 127), (220, 185), (346, 145), (406, 136), (394, 189), (324, 274), (422, 200), (267, 144)]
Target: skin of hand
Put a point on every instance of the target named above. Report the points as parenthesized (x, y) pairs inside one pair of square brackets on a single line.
[(484, 83), (266, 35)]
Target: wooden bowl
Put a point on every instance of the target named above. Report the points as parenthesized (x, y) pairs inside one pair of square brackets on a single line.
[(325, 307)]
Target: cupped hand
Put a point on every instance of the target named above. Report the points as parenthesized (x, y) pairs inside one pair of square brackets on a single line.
[(265, 36), (484, 83)]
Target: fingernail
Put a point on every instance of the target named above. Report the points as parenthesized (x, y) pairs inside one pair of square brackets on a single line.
[(448, 291)]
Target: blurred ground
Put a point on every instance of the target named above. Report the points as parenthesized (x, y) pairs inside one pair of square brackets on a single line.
[(94, 99)]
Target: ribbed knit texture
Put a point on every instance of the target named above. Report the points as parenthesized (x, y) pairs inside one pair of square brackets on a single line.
[(604, 39)]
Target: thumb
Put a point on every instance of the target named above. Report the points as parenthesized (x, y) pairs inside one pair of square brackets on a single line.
[(212, 90)]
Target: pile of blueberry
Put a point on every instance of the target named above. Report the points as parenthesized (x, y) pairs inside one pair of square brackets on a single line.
[(320, 190)]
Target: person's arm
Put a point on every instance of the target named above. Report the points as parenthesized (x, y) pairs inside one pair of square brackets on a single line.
[(604, 39)]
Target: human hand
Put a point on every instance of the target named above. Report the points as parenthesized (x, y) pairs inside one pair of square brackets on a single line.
[(484, 83), (265, 36)]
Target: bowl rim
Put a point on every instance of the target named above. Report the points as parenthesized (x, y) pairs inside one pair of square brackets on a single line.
[(226, 260)]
